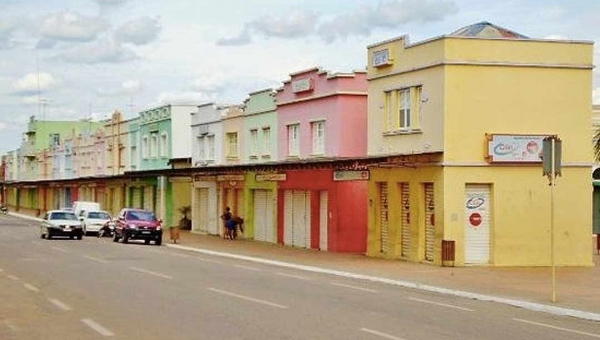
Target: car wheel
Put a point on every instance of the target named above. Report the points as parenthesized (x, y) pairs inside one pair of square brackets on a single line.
[(146, 241), (85, 231), (125, 238), (48, 235), (115, 237), (158, 241), (72, 237), (80, 236)]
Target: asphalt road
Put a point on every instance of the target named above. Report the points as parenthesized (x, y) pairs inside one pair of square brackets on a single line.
[(94, 288)]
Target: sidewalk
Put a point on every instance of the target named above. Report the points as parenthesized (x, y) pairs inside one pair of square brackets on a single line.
[(577, 288)]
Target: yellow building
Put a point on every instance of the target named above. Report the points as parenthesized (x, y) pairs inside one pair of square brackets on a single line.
[(463, 117)]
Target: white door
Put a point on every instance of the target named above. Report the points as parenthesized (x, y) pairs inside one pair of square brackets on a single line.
[(383, 218), (260, 212), (202, 212), (405, 209), (323, 219), (297, 218), (429, 221), (287, 223), (477, 224)]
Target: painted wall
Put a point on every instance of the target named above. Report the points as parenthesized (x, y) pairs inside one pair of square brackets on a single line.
[(260, 112), (155, 121), (181, 144), (233, 122), (206, 121), (134, 155)]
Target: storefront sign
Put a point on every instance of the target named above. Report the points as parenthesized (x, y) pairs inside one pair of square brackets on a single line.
[(271, 177), (201, 178), (351, 175), (222, 178), (381, 58), (515, 148), (302, 85)]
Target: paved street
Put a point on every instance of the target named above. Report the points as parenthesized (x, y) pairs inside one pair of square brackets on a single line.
[(94, 288)]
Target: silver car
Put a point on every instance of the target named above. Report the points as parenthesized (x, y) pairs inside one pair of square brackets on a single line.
[(93, 221), (61, 223)]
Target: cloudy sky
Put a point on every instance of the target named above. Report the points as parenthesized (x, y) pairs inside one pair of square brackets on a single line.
[(73, 59)]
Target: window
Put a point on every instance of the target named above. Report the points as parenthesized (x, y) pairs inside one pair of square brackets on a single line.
[(134, 157), (266, 131), (201, 146), (154, 145), (403, 108), (253, 142), (210, 155), (318, 138), (145, 148), (232, 145), (164, 146), (54, 139), (294, 140)]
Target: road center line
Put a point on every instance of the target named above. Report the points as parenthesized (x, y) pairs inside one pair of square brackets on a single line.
[(247, 267), (61, 249), (353, 287), (93, 325), (61, 305), (149, 272), (12, 277), (294, 276), (442, 304), (381, 334), (558, 328), (95, 259), (31, 287), (247, 298)]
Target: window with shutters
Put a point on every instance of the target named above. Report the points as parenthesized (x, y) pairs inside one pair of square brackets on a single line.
[(266, 135), (232, 145), (402, 110), (153, 145), (145, 148), (318, 138), (253, 143), (210, 146), (164, 145), (201, 148), (294, 140)]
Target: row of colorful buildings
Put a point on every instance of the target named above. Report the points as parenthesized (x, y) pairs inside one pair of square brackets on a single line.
[(434, 148)]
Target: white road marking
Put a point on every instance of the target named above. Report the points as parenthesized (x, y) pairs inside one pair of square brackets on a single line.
[(207, 260), (247, 298), (37, 242), (247, 267), (149, 272), (294, 276), (558, 328), (95, 259), (61, 249), (31, 287), (60, 304), (381, 334), (442, 304), (93, 325), (353, 287), (12, 277)]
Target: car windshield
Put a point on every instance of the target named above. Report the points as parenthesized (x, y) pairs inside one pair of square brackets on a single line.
[(141, 216), (98, 215), (63, 216)]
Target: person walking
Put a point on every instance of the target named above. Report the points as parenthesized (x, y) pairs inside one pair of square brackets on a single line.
[(226, 216)]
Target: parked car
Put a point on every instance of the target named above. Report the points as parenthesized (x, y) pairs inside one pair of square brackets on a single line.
[(93, 221), (138, 224), (79, 207), (61, 223)]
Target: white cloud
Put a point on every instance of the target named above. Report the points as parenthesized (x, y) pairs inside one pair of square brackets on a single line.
[(128, 87), (139, 32), (243, 38), (102, 51), (32, 82), (111, 2), (71, 26), (8, 25), (3, 126), (210, 83), (184, 97)]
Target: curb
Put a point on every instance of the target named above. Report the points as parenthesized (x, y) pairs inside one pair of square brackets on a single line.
[(533, 306)]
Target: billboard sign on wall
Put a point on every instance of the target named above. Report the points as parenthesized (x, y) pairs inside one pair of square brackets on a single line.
[(505, 148)]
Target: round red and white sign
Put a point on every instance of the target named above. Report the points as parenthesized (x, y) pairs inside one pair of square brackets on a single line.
[(475, 219)]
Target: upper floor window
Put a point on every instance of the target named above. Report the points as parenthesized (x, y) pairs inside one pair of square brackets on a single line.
[(402, 108), (232, 145), (145, 148), (253, 142), (164, 145), (154, 145), (266, 134), (210, 153), (318, 138), (134, 157), (294, 140), (201, 147)]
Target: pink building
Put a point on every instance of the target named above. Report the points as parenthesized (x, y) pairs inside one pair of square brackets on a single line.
[(322, 115)]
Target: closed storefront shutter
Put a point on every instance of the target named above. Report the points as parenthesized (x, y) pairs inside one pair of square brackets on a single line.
[(429, 221), (149, 198), (288, 212), (136, 199), (202, 200), (323, 219), (405, 209), (477, 224), (383, 218), (260, 212), (297, 218)]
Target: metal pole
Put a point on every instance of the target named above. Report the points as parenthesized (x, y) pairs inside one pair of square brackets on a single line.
[(553, 264)]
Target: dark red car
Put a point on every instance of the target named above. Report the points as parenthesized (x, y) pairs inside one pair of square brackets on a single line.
[(138, 224)]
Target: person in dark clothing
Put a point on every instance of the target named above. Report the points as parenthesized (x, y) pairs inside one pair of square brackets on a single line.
[(226, 216)]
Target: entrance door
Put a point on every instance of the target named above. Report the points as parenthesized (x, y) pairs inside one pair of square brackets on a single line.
[(429, 221), (201, 213), (477, 224), (297, 218), (264, 229), (323, 218)]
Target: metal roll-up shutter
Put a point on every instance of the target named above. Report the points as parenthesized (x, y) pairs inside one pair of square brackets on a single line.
[(307, 220), (136, 199), (202, 199), (429, 221), (323, 219), (288, 229), (270, 231), (298, 219), (383, 218), (149, 198), (405, 212), (260, 214), (477, 224)]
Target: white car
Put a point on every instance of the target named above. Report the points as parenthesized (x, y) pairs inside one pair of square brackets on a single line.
[(93, 221), (61, 223)]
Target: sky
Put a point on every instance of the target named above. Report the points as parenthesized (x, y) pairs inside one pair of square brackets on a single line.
[(78, 59)]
